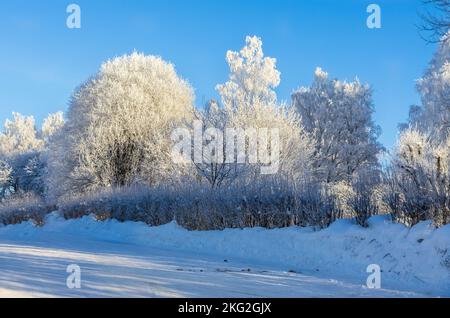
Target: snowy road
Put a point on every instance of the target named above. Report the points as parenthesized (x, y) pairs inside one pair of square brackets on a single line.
[(113, 269)]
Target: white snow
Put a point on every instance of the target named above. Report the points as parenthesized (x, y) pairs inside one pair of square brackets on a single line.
[(134, 260)]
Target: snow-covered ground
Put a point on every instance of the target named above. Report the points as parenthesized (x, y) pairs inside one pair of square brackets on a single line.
[(134, 260)]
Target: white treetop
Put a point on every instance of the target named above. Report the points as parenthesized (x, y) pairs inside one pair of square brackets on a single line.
[(52, 124), (253, 77), (19, 136)]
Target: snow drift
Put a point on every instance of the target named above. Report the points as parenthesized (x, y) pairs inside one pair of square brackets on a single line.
[(415, 258)]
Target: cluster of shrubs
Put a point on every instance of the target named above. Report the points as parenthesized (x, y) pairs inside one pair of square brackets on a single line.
[(193, 207), (24, 208)]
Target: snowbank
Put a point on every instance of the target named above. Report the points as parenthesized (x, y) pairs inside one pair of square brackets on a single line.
[(411, 259)]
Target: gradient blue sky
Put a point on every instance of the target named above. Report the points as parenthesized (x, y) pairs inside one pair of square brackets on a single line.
[(42, 62)]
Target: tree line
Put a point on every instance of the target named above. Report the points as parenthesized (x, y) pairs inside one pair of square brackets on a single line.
[(112, 153)]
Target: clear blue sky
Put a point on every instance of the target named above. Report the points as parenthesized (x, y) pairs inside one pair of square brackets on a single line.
[(42, 61)]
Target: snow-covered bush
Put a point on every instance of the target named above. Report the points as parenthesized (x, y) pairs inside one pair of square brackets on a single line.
[(24, 207), (343, 193), (366, 199), (118, 127), (195, 207), (421, 179), (317, 205)]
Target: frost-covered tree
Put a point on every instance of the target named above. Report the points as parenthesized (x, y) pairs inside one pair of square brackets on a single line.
[(421, 168), (249, 102), (434, 87), (216, 170), (18, 143), (294, 144), (339, 117), (420, 177), (22, 154), (5, 178), (19, 136), (119, 125), (436, 22)]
